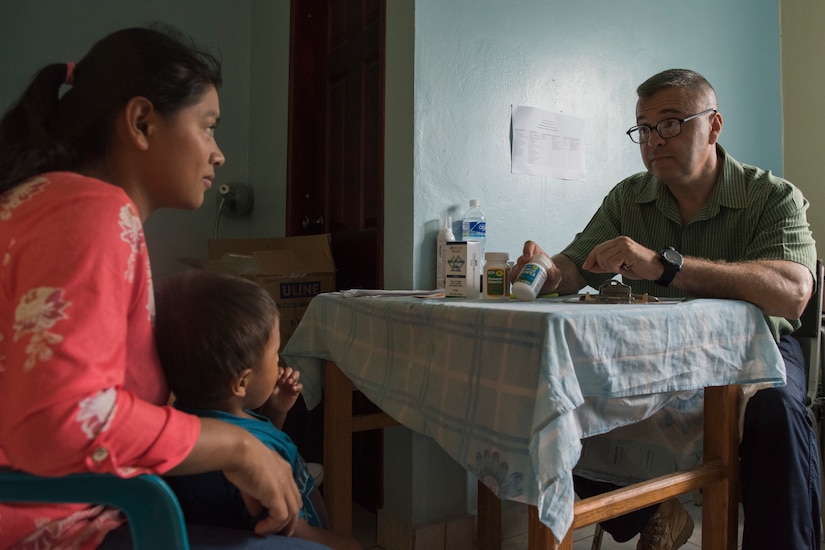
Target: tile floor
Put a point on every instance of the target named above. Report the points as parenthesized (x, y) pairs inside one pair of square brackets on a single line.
[(364, 530)]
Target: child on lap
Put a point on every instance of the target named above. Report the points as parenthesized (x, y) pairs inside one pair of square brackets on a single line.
[(218, 340)]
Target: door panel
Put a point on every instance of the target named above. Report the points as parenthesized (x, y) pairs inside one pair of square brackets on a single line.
[(335, 174), (335, 177)]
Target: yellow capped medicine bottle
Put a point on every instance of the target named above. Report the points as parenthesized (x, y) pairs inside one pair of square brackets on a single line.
[(496, 276)]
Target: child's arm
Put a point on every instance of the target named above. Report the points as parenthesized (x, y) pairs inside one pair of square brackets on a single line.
[(283, 397)]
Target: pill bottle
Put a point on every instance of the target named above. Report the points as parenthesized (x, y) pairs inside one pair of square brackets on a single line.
[(529, 282), (496, 277)]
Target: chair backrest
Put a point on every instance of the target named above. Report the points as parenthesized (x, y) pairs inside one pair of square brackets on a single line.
[(154, 515), (810, 335)]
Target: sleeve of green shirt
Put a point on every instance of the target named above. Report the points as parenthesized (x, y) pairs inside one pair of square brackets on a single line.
[(752, 215)]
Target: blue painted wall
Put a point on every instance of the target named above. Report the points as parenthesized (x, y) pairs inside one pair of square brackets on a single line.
[(474, 58)]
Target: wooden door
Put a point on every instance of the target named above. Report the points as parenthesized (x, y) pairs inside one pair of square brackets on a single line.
[(335, 171), (335, 176)]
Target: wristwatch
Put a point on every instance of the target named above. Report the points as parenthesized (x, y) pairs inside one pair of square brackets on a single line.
[(672, 261)]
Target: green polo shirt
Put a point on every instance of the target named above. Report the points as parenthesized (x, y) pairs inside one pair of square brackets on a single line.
[(751, 215)]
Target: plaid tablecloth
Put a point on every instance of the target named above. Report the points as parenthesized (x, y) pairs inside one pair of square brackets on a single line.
[(508, 389)]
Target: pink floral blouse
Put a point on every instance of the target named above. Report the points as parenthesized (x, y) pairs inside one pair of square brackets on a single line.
[(81, 387)]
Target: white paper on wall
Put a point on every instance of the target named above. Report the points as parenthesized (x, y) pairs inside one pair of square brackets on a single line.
[(547, 144)]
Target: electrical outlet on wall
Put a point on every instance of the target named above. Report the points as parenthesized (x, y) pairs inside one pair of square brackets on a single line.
[(234, 199)]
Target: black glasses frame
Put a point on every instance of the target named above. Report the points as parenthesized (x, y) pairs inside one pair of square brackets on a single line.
[(635, 131)]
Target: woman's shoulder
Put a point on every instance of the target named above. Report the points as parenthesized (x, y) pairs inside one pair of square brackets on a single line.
[(72, 184), (61, 188), (67, 211)]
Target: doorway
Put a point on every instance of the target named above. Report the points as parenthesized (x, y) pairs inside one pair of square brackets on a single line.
[(335, 175), (335, 165)]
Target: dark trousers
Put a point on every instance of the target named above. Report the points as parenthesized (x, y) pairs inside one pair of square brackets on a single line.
[(779, 468), (207, 537)]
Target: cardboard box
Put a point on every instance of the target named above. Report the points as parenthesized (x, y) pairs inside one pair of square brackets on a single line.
[(292, 269), (463, 269)]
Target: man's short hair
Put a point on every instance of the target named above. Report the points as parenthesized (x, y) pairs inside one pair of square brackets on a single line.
[(677, 78)]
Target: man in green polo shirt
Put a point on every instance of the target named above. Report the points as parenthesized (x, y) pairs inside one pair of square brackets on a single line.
[(700, 224)]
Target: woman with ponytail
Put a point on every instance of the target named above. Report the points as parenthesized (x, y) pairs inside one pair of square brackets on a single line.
[(87, 153)]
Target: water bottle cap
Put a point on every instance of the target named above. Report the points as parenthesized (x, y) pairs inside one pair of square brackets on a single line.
[(473, 203)]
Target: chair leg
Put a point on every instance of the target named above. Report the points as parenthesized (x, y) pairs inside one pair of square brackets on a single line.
[(819, 426), (597, 538)]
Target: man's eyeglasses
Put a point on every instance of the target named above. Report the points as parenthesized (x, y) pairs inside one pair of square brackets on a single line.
[(667, 128)]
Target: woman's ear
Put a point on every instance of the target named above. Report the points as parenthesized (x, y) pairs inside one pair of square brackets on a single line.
[(139, 117), (240, 383)]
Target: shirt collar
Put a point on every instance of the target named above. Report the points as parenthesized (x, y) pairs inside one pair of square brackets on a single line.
[(730, 187)]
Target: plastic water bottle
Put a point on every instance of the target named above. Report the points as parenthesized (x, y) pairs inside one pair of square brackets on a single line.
[(445, 234), (474, 225)]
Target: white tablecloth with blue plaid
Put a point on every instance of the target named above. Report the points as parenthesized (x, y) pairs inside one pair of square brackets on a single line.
[(508, 389)]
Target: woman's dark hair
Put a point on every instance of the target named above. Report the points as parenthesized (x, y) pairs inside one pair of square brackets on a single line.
[(45, 131), (208, 328)]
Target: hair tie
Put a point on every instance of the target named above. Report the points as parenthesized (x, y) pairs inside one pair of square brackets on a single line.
[(70, 72)]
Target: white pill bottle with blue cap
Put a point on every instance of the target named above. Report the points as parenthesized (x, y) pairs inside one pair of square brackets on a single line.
[(528, 284)]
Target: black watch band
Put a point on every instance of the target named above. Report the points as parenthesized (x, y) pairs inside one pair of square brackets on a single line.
[(672, 261)]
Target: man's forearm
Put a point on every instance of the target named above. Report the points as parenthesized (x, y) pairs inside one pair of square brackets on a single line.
[(571, 280), (779, 288)]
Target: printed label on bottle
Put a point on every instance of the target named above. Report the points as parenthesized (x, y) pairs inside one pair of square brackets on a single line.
[(495, 280), (474, 229), (529, 273)]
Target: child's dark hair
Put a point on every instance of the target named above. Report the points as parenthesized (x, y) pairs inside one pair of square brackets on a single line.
[(46, 131), (209, 327)]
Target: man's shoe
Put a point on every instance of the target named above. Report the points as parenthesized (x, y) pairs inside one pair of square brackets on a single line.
[(669, 528)]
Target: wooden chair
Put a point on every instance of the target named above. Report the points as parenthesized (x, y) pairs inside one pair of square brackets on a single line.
[(810, 336)]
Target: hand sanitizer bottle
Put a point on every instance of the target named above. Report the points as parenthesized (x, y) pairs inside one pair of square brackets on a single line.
[(445, 234)]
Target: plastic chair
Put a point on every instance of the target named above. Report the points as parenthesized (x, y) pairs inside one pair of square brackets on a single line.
[(154, 515)]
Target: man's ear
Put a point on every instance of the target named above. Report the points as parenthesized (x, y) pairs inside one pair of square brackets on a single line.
[(715, 128), (140, 118), (240, 383)]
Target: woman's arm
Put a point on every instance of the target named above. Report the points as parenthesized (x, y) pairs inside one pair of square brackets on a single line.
[(256, 470)]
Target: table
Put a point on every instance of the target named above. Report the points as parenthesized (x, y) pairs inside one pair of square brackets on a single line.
[(508, 389)]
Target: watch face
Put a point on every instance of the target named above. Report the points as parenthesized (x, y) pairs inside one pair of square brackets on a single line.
[(672, 256)]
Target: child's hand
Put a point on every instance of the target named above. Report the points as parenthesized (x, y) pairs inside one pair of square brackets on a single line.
[(286, 391)]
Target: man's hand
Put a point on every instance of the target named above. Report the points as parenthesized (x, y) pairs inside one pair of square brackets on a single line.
[(626, 256), (530, 250), (778, 287), (563, 277)]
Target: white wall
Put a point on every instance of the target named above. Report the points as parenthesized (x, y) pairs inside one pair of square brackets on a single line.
[(803, 104)]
